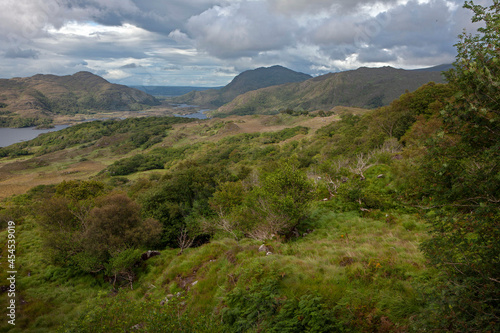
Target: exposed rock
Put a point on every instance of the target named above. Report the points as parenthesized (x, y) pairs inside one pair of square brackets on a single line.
[(146, 255), (263, 248), (381, 176)]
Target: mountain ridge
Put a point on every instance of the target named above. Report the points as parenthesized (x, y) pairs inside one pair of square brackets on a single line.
[(249, 80), (364, 87)]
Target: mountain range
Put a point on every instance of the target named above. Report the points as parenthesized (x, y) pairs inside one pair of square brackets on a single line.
[(35, 100), (364, 88)]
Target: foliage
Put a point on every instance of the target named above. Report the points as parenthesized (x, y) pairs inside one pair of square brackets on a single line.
[(123, 314), (90, 230), (461, 180), (263, 307), (179, 195), (123, 135)]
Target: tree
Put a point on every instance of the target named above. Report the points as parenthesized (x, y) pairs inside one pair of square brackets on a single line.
[(461, 170), (103, 239), (279, 204), (180, 197)]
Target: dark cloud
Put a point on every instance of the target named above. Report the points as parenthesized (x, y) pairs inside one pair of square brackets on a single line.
[(132, 65), (19, 53), (371, 55), (300, 7)]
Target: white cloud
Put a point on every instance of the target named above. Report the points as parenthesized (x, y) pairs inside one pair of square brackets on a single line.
[(241, 30)]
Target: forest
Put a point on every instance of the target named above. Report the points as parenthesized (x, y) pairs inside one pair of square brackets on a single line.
[(385, 220)]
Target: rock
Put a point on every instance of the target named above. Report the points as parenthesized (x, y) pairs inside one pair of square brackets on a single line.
[(194, 283), (146, 255), (164, 301), (263, 248), (136, 327), (268, 253), (381, 176)]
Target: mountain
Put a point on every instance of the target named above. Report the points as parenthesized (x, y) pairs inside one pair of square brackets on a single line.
[(42, 96), (437, 68), (247, 81), (364, 87)]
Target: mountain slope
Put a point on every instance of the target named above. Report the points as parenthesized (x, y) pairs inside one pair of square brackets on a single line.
[(247, 81), (364, 87), (41, 96)]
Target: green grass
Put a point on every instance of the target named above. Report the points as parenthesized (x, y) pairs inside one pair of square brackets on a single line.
[(367, 272)]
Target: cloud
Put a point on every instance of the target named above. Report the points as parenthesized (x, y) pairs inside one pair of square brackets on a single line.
[(181, 42), (375, 55), (132, 65), (294, 7), (240, 30), (20, 53)]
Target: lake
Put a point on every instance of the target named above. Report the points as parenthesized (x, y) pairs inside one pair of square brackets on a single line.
[(10, 136)]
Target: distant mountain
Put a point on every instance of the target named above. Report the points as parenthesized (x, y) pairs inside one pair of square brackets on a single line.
[(438, 68), (170, 91), (42, 96), (364, 88), (247, 81)]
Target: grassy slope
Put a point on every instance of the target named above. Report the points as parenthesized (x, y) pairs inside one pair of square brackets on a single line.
[(365, 268)]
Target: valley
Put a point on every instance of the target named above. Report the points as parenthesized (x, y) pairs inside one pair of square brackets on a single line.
[(361, 201)]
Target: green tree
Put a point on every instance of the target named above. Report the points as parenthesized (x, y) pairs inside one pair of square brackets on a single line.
[(462, 180), (180, 197), (279, 204), (95, 234)]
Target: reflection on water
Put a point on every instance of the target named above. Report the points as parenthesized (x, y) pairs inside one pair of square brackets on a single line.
[(10, 136), (198, 115)]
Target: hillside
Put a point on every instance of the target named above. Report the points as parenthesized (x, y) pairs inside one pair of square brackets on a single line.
[(273, 223), (242, 83), (364, 87), (34, 100)]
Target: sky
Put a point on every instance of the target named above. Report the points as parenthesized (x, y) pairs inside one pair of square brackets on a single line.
[(208, 42)]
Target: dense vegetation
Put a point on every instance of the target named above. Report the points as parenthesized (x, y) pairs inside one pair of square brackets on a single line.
[(380, 222)]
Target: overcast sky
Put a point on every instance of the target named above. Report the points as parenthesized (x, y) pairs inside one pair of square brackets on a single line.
[(208, 42)]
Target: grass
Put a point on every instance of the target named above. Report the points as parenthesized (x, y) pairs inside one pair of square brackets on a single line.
[(366, 270)]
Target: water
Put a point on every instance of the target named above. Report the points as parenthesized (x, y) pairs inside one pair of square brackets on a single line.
[(10, 136), (197, 115)]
